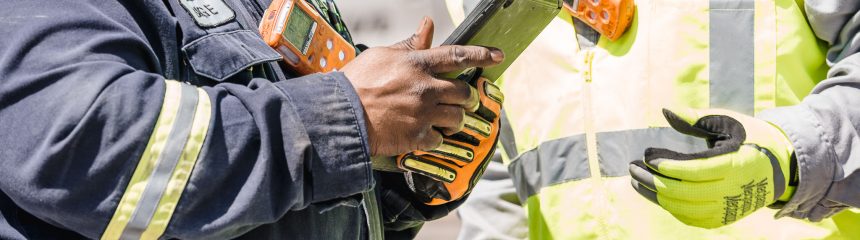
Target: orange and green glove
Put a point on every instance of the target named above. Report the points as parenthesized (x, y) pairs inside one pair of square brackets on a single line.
[(449, 172), (748, 165)]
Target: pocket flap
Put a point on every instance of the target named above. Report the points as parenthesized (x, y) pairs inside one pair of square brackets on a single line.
[(221, 55)]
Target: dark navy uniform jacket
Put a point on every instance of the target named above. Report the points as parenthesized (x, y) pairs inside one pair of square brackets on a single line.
[(173, 119)]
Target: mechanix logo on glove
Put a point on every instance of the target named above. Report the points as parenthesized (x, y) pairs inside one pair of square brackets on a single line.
[(753, 193)]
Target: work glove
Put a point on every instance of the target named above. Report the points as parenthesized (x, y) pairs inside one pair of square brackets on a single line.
[(449, 172), (463, 131), (747, 166)]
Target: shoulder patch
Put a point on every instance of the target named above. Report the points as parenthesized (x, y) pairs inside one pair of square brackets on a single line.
[(208, 13)]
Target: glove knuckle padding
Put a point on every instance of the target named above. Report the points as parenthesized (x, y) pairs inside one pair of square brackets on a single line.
[(462, 157)]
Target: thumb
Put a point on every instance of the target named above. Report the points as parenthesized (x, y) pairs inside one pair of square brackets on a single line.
[(714, 125), (685, 121), (422, 39)]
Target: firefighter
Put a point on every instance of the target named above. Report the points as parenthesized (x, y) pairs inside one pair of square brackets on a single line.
[(174, 120)]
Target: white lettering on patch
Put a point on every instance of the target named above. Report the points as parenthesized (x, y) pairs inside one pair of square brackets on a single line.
[(208, 13)]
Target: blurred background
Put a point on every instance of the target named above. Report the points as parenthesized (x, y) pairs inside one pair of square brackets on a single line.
[(385, 22)]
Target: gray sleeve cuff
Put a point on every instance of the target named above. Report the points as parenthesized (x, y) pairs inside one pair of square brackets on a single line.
[(333, 117), (815, 159)]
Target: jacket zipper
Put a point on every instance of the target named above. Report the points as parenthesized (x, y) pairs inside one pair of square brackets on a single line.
[(599, 193), (590, 135)]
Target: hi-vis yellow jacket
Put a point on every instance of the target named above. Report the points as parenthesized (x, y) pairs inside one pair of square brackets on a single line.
[(580, 115)]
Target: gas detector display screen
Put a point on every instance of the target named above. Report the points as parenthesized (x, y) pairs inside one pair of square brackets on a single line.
[(299, 29)]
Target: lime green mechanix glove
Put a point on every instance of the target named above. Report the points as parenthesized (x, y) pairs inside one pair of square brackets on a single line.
[(748, 165)]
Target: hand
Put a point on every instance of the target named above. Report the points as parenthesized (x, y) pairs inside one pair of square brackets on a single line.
[(449, 172), (745, 168), (406, 107)]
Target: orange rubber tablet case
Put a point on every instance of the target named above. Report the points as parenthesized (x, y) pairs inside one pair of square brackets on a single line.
[(608, 17), (306, 41)]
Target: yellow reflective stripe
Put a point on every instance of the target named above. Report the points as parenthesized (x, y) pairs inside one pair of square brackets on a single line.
[(183, 169), (157, 183), (147, 163), (164, 168)]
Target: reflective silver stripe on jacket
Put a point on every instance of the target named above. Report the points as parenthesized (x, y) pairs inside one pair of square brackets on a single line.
[(732, 55), (564, 160)]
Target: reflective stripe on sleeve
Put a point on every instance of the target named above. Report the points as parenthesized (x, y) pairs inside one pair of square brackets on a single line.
[(550, 163), (165, 166), (563, 160), (618, 148)]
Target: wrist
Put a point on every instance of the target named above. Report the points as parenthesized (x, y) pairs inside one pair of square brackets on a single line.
[(784, 151), (789, 192), (792, 181), (327, 116)]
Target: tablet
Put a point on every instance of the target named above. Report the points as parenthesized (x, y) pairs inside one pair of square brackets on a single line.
[(509, 25)]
